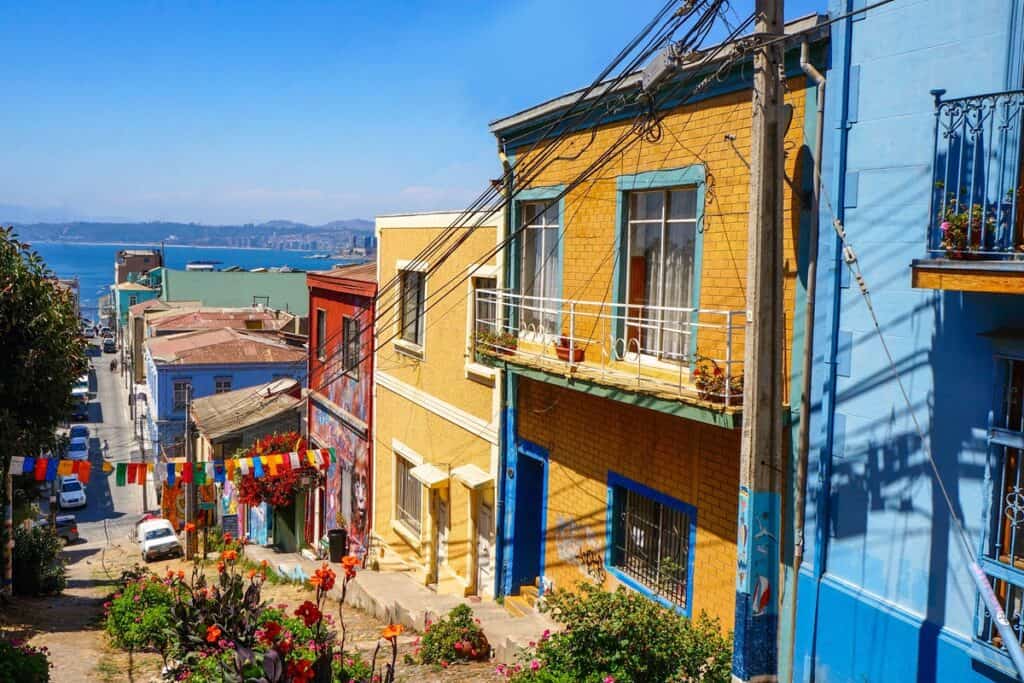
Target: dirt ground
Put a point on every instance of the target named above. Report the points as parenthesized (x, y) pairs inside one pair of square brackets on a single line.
[(70, 625)]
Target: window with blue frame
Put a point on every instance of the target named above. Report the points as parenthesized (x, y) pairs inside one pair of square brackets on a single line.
[(540, 266), (651, 541)]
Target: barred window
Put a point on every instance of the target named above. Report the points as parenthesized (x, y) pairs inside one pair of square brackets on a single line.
[(181, 391), (651, 543), (408, 499), (321, 334), (221, 385), (350, 346), (412, 306)]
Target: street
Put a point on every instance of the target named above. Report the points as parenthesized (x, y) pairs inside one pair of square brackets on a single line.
[(111, 437)]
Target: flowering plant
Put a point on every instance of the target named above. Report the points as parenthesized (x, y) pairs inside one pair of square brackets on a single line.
[(962, 227), (710, 380), (21, 662), (279, 489), (455, 637)]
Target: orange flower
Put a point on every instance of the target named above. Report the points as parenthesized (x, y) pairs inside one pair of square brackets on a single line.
[(349, 561), (252, 573), (190, 527), (229, 555), (181, 574), (212, 634), (323, 578), (264, 564), (220, 567), (392, 631)]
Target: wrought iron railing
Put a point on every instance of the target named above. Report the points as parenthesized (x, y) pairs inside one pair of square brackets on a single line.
[(975, 212), (683, 351)]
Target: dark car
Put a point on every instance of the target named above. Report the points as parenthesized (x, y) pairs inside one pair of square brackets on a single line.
[(109, 346), (67, 527), (80, 411)]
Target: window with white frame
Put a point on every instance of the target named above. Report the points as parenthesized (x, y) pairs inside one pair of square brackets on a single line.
[(412, 289), (661, 239), (540, 267), (350, 346), (182, 389), (221, 385), (485, 307), (408, 495), (651, 541), (321, 334)]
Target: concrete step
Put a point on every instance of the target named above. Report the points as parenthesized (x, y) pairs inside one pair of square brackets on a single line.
[(531, 594), (517, 606)]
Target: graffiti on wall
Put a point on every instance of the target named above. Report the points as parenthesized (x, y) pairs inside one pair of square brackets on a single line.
[(256, 526), (576, 546), (347, 501)]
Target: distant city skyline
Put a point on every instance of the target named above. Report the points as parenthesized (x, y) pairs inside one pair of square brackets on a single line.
[(248, 112)]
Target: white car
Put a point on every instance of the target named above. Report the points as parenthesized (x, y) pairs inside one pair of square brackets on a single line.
[(89, 332), (158, 540), (71, 493), (79, 448)]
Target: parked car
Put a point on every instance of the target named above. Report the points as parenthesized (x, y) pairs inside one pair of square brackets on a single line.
[(71, 493), (79, 448), (158, 540), (106, 333), (109, 346), (88, 333), (67, 527), (79, 432), (80, 410)]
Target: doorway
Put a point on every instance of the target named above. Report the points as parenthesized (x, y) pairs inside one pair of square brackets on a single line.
[(528, 492), (484, 538)]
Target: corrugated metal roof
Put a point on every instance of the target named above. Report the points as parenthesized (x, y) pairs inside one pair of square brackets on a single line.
[(222, 346), (364, 272), (225, 414), (286, 291), (213, 318)]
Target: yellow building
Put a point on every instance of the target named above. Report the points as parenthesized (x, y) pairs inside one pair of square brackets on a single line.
[(436, 420), (623, 341)]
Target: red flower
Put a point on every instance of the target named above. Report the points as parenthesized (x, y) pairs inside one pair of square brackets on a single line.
[(323, 578), (213, 634), (271, 630), (189, 527), (300, 670), (309, 613)]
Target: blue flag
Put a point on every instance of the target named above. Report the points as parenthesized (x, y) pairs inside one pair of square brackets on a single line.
[(170, 474), (51, 469), (29, 466), (218, 471), (257, 468)]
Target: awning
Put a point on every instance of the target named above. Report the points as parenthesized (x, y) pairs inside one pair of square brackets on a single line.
[(472, 476), (430, 476)]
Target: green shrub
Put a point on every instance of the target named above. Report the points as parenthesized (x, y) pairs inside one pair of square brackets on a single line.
[(140, 615), (456, 637), (624, 636), (23, 663), (38, 568)]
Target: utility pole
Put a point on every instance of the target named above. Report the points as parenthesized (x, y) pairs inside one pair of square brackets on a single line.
[(8, 587), (191, 499), (757, 545), (145, 476)]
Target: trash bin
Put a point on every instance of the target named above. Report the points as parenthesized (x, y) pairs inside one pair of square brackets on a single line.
[(337, 540)]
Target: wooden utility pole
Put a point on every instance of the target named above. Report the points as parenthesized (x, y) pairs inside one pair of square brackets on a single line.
[(191, 499), (757, 576)]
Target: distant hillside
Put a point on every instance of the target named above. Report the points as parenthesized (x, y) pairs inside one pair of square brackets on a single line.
[(274, 234)]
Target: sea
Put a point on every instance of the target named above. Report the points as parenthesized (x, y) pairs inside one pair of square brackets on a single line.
[(93, 264)]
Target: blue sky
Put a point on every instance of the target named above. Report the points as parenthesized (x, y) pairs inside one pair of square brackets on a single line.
[(249, 111)]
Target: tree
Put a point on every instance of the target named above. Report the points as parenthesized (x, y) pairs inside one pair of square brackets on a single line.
[(42, 353)]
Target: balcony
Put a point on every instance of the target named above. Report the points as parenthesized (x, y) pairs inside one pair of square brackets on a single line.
[(684, 361), (975, 236)]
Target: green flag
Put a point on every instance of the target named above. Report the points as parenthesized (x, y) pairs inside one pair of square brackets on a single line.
[(199, 474), (122, 473)]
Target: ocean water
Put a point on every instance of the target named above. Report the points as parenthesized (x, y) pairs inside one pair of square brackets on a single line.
[(93, 264)]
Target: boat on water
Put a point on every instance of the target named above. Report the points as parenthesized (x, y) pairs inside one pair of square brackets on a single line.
[(202, 265), (318, 256)]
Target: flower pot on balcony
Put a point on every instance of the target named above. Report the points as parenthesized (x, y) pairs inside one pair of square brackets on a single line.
[(562, 351)]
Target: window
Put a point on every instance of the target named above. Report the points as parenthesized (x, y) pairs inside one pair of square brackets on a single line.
[(132, 300), (221, 385), (651, 540), (661, 238), (1004, 556), (407, 502), (540, 274), (321, 334), (182, 389), (351, 346), (412, 306), (485, 309)]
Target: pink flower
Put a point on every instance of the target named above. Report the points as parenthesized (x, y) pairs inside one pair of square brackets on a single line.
[(609, 679), (534, 665), (944, 226), (545, 635)]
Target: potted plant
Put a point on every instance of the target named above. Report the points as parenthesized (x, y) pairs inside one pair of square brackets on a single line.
[(710, 380), (962, 229), (562, 349), (489, 342)]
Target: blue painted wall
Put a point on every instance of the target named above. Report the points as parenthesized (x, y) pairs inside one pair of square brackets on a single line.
[(161, 380), (124, 301), (884, 593)]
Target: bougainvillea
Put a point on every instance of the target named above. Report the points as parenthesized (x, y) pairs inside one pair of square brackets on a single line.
[(278, 489)]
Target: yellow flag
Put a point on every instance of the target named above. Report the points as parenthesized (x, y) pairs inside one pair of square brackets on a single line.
[(65, 467), (311, 456), (108, 466)]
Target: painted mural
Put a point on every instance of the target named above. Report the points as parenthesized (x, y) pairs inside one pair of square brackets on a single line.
[(172, 504), (257, 524), (347, 503)]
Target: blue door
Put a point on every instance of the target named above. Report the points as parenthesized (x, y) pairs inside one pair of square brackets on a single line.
[(528, 492)]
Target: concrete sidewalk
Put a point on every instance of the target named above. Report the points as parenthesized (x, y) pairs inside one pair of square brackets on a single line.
[(394, 597)]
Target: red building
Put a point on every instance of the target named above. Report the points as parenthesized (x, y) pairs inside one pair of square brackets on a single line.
[(341, 313)]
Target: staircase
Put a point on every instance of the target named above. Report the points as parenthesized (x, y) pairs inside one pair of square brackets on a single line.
[(524, 603)]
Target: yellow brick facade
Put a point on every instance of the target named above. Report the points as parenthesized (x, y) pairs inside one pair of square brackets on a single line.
[(586, 436), (433, 405)]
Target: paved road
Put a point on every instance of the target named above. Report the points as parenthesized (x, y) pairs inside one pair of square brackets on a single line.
[(109, 424)]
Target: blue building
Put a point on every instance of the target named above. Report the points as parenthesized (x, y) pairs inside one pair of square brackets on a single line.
[(923, 153), (204, 363)]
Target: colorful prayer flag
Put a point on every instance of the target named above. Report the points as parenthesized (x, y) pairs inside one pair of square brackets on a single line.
[(170, 474), (82, 470), (40, 471), (133, 472), (257, 467), (186, 473), (51, 469), (229, 466), (199, 474), (29, 465), (218, 471), (122, 471), (65, 468), (311, 456), (245, 464), (17, 462), (294, 457), (108, 467)]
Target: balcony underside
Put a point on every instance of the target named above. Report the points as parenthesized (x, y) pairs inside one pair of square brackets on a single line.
[(590, 379), (994, 277)]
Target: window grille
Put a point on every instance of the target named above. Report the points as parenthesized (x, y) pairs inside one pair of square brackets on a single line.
[(409, 494)]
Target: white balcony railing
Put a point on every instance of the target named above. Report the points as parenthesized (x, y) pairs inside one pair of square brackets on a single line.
[(685, 352)]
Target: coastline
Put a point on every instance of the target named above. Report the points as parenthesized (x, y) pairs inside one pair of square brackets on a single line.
[(165, 246)]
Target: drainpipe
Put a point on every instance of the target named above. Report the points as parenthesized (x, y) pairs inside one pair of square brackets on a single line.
[(803, 438)]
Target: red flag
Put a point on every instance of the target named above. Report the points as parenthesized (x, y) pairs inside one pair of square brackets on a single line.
[(40, 471), (82, 469), (132, 472), (285, 464), (325, 458), (186, 473)]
